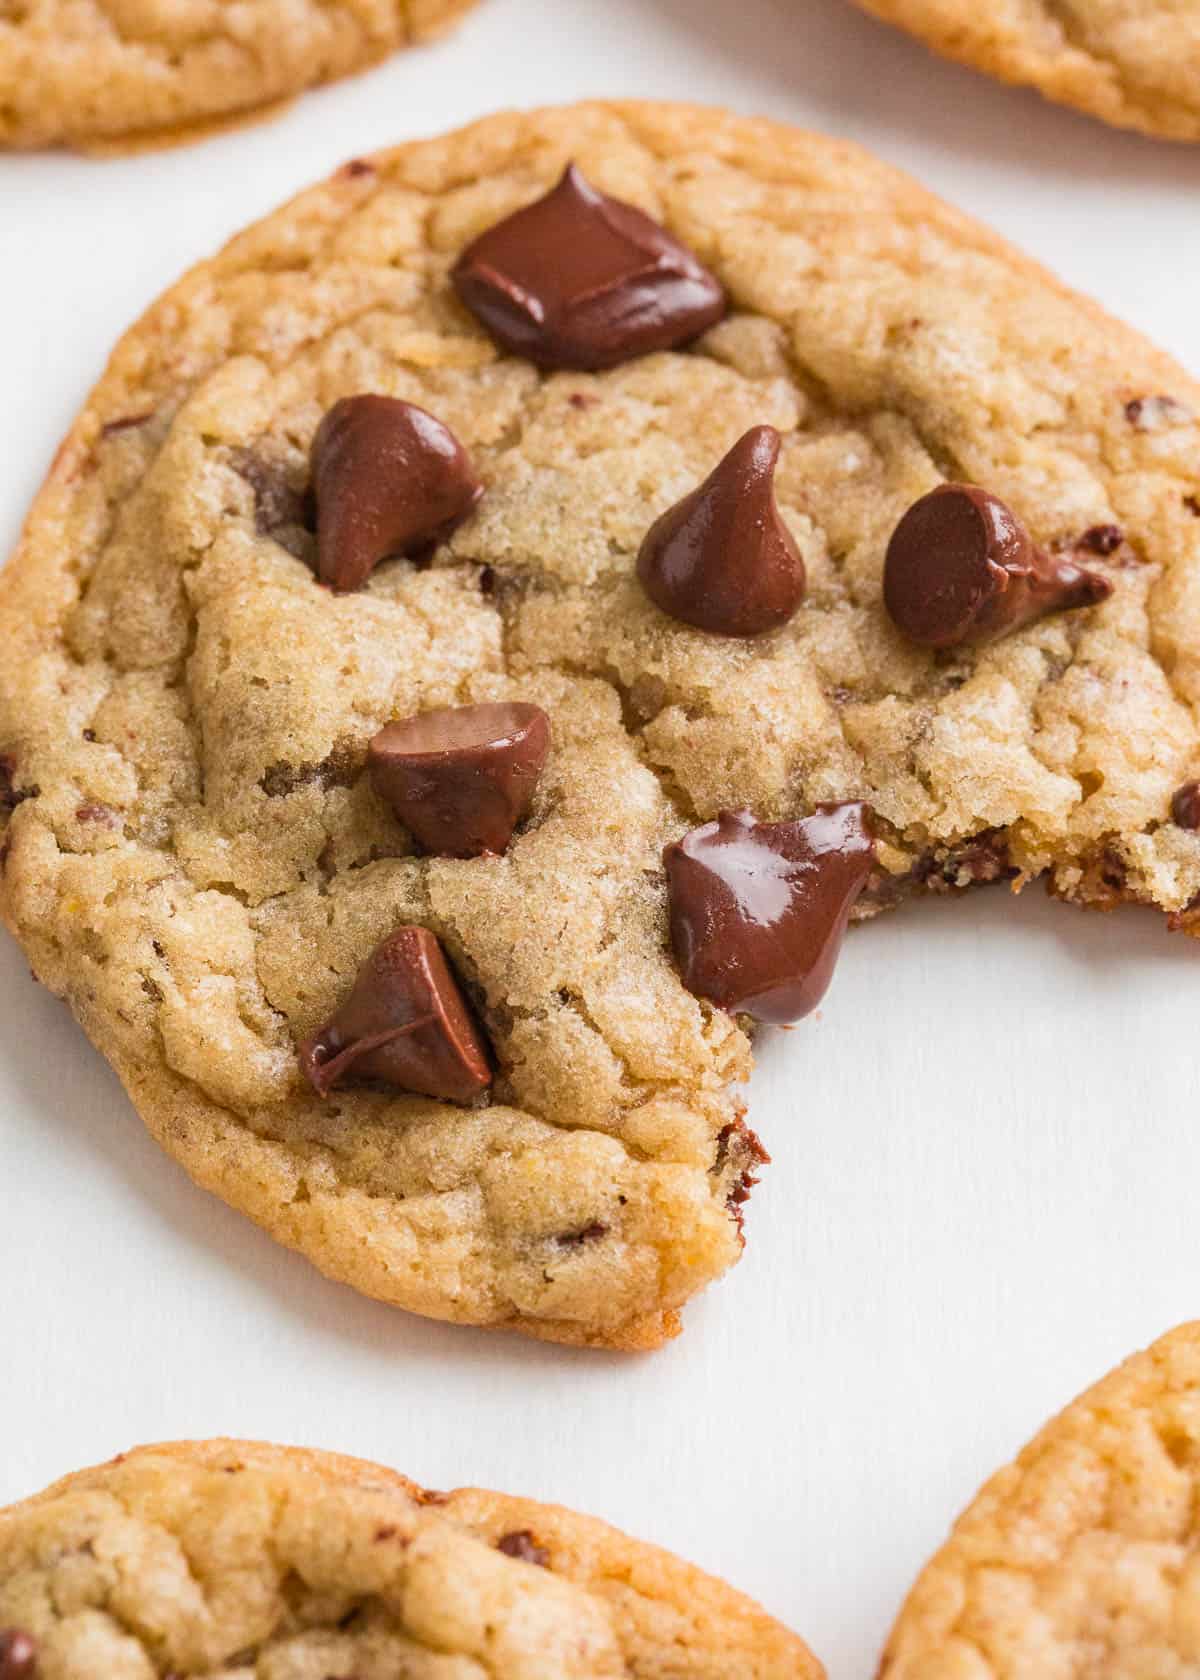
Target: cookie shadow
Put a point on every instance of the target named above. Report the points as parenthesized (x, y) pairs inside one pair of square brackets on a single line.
[(866, 80), (62, 1089)]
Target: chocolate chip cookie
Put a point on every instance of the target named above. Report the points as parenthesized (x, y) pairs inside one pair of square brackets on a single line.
[(1135, 63), (1082, 1559), (229, 1558), (493, 625), (79, 72)]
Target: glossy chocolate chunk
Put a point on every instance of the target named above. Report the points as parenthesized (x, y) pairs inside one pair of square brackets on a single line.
[(389, 480), (462, 777), (18, 1655), (961, 567), (722, 558), (758, 910), (1185, 805), (581, 280), (405, 1023)]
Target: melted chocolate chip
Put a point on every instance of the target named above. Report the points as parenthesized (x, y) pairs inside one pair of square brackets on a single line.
[(1102, 539), (740, 1153), (758, 910), (280, 511), (961, 567), (389, 480), (521, 1544), (722, 558), (10, 794), (1185, 806), (405, 1023), (462, 777), (581, 280), (18, 1655)]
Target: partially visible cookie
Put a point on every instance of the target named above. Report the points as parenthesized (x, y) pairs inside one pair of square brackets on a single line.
[(229, 1559), (1135, 63), (1081, 1561), (74, 72)]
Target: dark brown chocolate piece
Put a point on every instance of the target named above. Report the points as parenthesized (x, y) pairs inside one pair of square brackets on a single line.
[(722, 558), (962, 568), (521, 1544), (758, 910), (740, 1153), (1102, 539), (389, 480), (1185, 806), (405, 1023), (1153, 414), (581, 280), (18, 1655), (462, 777)]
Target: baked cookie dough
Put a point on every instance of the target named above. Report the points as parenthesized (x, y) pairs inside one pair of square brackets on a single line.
[(227, 1559), (196, 857), (1082, 1559), (80, 72), (1135, 63)]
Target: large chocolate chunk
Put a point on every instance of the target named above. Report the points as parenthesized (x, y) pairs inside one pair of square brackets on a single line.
[(405, 1023), (961, 567), (581, 280), (389, 480), (462, 777), (758, 910), (722, 558)]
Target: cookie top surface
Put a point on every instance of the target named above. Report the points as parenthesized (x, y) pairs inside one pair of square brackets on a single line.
[(1135, 63), (195, 855), (229, 1559), (1083, 1557), (79, 71)]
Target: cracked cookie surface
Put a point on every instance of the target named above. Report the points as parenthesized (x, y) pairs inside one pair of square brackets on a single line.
[(238, 1561), (1135, 63), (1083, 1557), (193, 853), (80, 71)]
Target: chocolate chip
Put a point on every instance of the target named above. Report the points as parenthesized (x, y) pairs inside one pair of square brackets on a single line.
[(462, 777), (1185, 805), (739, 1155), (1153, 414), (89, 734), (521, 1544), (18, 1655), (1192, 504), (758, 909), (581, 280), (356, 168), (280, 510), (1102, 539), (405, 1023), (10, 794), (961, 567), (390, 479), (722, 558)]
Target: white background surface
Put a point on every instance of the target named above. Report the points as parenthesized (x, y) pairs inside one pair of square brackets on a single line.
[(986, 1150)]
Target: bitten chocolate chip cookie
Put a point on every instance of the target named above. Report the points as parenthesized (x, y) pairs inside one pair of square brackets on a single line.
[(80, 71), (1082, 1559), (1135, 63), (225, 1559), (424, 761)]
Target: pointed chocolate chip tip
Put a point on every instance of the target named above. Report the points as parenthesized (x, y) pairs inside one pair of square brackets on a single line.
[(722, 559)]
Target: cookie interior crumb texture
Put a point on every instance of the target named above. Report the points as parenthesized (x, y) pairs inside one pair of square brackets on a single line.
[(1082, 1559), (194, 855), (75, 71), (227, 1559), (1135, 63)]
